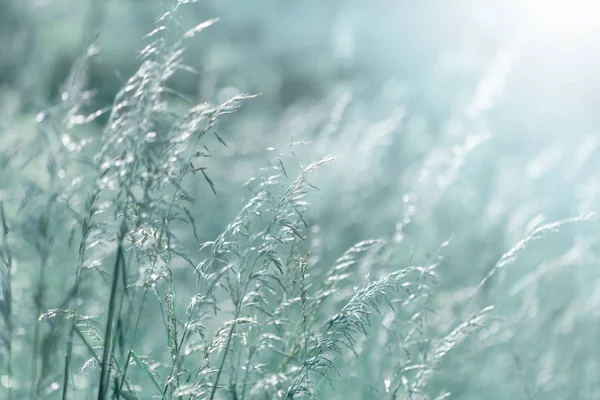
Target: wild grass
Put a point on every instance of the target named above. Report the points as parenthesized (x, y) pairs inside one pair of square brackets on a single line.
[(119, 306)]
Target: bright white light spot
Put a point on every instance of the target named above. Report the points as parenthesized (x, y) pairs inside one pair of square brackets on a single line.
[(388, 383), (6, 381), (562, 20)]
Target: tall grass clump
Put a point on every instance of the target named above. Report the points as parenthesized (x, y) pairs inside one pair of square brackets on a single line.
[(113, 210), (113, 287)]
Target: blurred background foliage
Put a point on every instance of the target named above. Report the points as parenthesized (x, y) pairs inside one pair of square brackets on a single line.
[(474, 121)]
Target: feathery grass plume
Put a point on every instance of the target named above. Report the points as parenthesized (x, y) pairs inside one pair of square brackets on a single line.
[(346, 266), (83, 326), (406, 335), (411, 378), (511, 255), (341, 330), (296, 321), (405, 331), (147, 150), (247, 262)]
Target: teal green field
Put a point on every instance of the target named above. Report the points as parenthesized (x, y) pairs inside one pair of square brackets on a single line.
[(292, 199)]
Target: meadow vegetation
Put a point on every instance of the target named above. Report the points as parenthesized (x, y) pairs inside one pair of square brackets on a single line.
[(148, 251)]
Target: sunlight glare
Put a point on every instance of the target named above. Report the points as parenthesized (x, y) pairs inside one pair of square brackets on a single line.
[(562, 20)]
